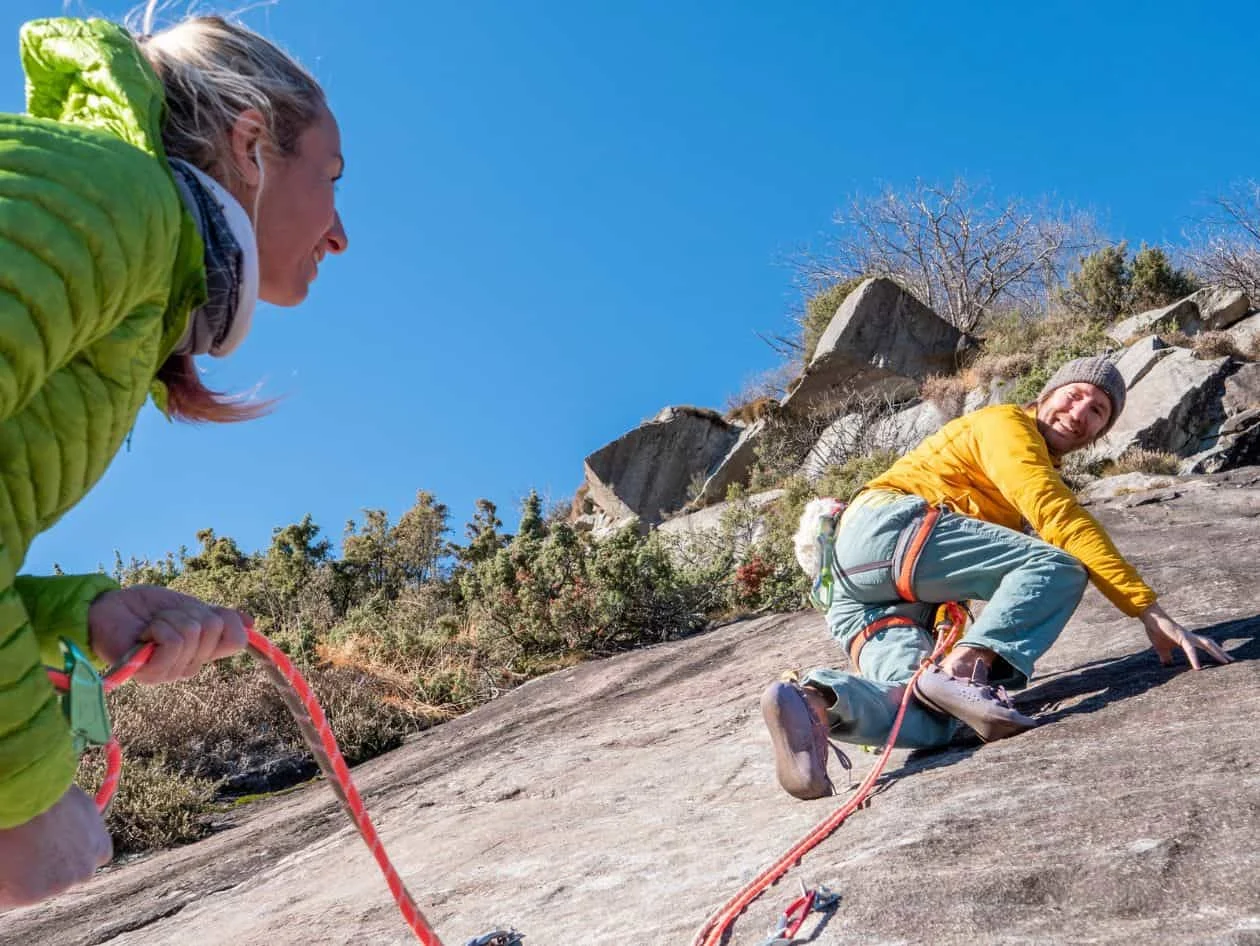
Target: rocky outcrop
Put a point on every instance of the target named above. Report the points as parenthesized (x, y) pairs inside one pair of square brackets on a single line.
[(862, 392), (1208, 310), (854, 435), (734, 468), (1220, 308), (647, 472), (623, 800), (1172, 408), (882, 340), (1140, 357), (1182, 315), (1236, 440)]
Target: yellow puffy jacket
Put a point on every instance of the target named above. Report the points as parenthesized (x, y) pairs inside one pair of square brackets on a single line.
[(993, 464)]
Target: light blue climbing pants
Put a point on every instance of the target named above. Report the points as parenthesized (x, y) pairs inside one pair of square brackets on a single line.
[(1031, 589)]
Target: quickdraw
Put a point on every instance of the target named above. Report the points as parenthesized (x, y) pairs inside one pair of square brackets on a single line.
[(817, 900), (820, 595), (508, 937), (948, 629)]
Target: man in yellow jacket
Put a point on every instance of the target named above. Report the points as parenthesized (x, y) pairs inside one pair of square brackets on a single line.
[(952, 521)]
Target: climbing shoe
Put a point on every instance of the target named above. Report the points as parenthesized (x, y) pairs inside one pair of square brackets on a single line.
[(800, 741), (986, 709)]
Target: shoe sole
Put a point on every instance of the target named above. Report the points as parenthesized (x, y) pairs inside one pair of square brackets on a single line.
[(790, 720), (988, 730)]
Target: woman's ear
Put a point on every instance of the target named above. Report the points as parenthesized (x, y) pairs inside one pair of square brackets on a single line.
[(244, 139)]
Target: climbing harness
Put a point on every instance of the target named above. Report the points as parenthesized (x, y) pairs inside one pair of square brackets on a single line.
[(84, 705), (905, 557), (817, 900), (948, 629)]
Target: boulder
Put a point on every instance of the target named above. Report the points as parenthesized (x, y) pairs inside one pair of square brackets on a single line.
[(1245, 331), (650, 471), (1183, 315), (1171, 409), (1236, 442), (857, 434), (734, 468), (882, 340), (1220, 308), (1140, 357)]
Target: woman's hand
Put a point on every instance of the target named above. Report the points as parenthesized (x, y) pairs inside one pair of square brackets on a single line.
[(189, 633), (1166, 635)]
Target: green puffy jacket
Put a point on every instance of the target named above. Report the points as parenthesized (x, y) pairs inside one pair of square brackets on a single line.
[(99, 268)]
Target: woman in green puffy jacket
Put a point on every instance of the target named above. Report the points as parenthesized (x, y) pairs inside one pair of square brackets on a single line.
[(157, 188)]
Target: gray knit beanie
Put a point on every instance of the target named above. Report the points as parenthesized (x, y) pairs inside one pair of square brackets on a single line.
[(1098, 371)]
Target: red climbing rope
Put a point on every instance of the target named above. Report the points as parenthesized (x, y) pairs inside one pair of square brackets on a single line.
[(300, 700), (714, 929)]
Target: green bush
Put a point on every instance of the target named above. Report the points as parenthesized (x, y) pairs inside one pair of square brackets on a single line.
[(1155, 282), (1100, 287), (155, 806), (1107, 285)]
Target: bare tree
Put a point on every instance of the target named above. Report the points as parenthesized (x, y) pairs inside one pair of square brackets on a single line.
[(954, 247), (1225, 247)]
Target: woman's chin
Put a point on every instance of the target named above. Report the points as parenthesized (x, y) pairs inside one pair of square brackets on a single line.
[(287, 295)]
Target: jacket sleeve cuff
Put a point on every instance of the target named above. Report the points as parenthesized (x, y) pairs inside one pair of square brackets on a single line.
[(58, 607)]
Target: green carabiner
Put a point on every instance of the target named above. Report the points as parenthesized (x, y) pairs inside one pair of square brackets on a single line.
[(84, 702)]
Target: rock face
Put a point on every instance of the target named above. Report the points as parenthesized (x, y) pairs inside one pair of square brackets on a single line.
[(647, 473), (734, 468), (1172, 408), (855, 434), (1208, 310), (1236, 442), (881, 340), (863, 389), (623, 800), (1220, 308), (1183, 315)]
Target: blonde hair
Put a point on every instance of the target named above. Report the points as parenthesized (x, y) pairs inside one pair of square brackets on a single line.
[(212, 70)]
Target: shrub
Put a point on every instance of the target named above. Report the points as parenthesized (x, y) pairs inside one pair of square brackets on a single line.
[(1032, 349), (154, 806), (946, 392), (1138, 460), (1107, 285), (1155, 283), (1209, 345), (1100, 287)]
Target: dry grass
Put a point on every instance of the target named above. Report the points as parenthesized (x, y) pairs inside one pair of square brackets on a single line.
[(1209, 345), (1138, 460), (154, 807), (228, 730), (988, 368), (948, 392)]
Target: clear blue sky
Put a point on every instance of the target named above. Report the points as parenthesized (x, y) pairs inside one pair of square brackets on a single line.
[(566, 215)]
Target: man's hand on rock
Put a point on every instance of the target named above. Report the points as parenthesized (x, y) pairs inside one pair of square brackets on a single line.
[(1166, 635)]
